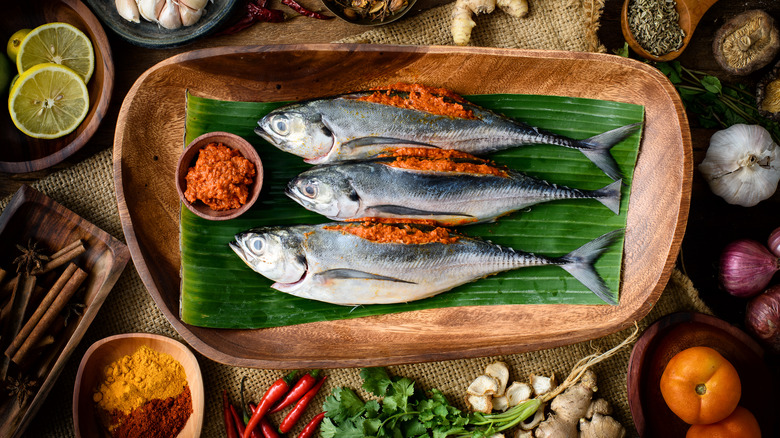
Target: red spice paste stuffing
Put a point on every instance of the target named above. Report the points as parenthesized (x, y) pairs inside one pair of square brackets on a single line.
[(420, 97), (396, 233), (441, 160), (220, 178)]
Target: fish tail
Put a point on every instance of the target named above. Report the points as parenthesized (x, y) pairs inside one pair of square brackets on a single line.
[(580, 264), (597, 148), (610, 195)]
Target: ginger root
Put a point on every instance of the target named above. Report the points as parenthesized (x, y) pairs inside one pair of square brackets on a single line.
[(462, 24)]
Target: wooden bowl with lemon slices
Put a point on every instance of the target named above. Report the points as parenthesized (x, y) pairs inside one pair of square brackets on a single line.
[(21, 153)]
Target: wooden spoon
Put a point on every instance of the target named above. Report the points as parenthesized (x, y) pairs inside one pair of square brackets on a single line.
[(690, 12)]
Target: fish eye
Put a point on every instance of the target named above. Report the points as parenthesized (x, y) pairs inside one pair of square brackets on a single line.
[(281, 125), (309, 189), (256, 245)]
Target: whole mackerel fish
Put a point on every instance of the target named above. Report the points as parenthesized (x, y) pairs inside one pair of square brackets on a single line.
[(348, 265), (352, 127), (455, 191)]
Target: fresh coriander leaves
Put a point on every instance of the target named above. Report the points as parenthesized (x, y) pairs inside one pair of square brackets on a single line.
[(402, 411), (714, 104)]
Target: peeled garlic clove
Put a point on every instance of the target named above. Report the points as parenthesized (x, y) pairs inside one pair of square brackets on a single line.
[(169, 17), (189, 16), (128, 9), (741, 165), (150, 9)]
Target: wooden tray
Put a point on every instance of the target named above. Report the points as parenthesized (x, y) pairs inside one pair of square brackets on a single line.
[(676, 332), (149, 139), (33, 215)]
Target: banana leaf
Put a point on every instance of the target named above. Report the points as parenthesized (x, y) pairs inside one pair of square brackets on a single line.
[(219, 290)]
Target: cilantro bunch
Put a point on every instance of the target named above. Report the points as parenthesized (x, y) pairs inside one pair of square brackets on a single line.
[(405, 412), (716, 105)]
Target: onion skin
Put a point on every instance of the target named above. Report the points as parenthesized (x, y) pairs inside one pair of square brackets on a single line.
[(762, 318), (774, 242), (746, 268)]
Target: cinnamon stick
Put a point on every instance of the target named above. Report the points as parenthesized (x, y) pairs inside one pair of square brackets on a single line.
[(41, 310), (24, 289), (67, 292), (2, 275), (59, 258)]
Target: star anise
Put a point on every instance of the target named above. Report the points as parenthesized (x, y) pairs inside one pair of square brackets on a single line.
[(21, 388), (73, 310), (32, 258)]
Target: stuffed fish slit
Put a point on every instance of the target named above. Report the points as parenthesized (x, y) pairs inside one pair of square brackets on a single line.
[(349, 127), (352, 264)]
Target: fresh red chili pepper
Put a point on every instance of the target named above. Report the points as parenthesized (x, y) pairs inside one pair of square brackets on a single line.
[(301, 386), (311, 426), (296, 412), (265, 426), (275, 392), (267, 429), (297, 7), (239, 422), (230, 426)]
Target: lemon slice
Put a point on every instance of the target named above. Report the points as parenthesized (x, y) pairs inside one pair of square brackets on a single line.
[(48, 101), (60, 43)]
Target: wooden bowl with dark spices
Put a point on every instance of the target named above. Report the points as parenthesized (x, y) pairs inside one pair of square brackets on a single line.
[(205, 208), (102, 353)]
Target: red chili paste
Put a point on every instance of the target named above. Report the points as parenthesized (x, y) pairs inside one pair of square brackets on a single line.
[(420, 97), (445, 165), (220, 178), (398, 233)]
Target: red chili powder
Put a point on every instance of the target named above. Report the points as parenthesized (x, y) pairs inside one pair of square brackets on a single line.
[(156, 418), (420, 97), (220, 178)]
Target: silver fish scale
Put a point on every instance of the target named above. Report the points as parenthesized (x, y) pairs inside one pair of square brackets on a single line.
[(351, 119)]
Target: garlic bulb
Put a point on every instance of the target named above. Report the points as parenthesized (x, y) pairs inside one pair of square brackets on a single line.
[(741, 165), (170, 14)]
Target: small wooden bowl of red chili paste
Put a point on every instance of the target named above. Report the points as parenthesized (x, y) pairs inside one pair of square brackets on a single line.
[(219, 176)]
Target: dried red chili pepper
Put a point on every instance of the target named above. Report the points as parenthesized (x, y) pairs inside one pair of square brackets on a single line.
[(230, 426), (301, 386), (275, 392), (296, 412), (303, 11), (255, 13), (311, 426)]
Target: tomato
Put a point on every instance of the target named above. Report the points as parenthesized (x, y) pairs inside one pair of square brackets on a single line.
[(740, 424), (700, 386)]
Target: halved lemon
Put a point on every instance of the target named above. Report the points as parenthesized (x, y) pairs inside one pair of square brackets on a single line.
[(48, 101), (59, 43)]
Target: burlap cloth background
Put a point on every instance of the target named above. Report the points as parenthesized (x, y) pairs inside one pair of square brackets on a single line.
[(87, 188)]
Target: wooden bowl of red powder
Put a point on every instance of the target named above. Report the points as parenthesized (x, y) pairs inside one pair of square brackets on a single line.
[(219, 176), (119, 367)]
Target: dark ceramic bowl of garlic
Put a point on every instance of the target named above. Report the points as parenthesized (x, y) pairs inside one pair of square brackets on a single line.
[(176, 25), (369, 12)]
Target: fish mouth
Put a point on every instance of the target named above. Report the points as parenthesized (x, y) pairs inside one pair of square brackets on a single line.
[(289, 287), (264, 135)]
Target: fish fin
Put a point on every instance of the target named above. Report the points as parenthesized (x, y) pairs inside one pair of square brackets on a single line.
[(579, 263), (610, 195), (399, 210), (597, 148), (347, 274)]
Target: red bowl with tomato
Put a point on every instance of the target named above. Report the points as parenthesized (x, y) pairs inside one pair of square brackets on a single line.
[(677, 332)]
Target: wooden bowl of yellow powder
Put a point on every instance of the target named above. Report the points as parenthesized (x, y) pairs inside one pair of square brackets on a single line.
[(129, 382)]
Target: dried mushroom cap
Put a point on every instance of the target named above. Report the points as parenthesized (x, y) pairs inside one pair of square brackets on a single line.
[(768, 94), (746, 42)]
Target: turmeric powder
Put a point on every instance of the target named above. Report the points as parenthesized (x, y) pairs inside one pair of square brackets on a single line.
[(136, 379)]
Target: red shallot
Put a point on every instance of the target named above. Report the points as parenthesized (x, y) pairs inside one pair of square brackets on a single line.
[(774, 242), (746, 267), (762, 318)]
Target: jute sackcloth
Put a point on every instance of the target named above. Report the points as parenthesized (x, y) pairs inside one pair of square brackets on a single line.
[(87, 189)]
